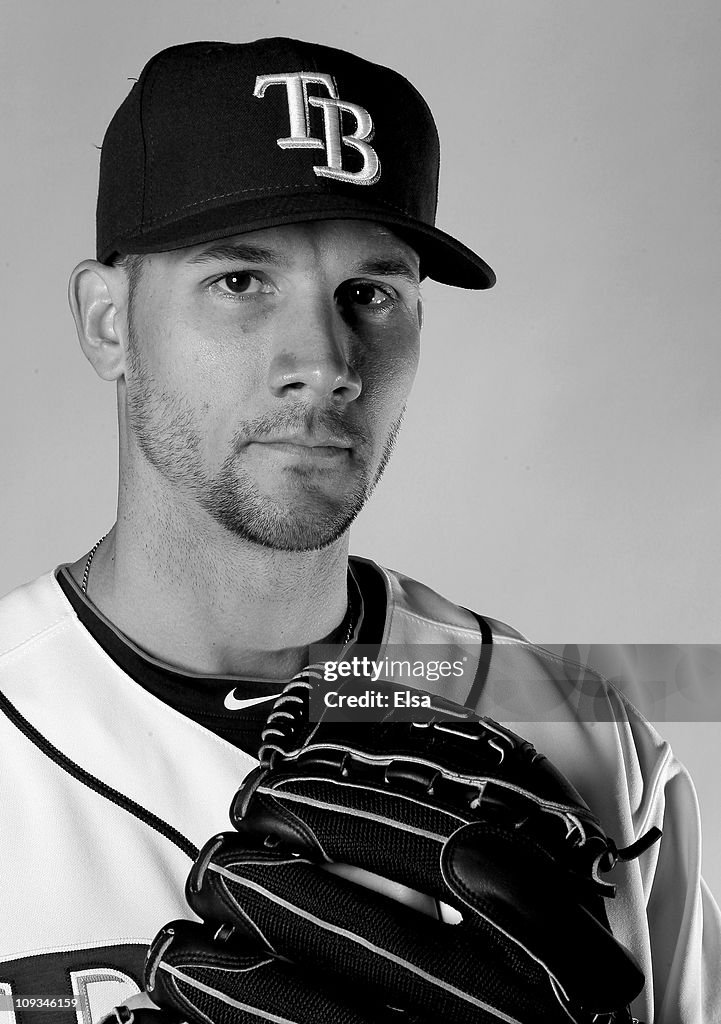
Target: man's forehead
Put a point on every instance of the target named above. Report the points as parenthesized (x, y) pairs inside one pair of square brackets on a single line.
[(351, 239)]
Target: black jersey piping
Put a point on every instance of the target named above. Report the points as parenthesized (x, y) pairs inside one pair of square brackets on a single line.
[(92, 782), (372, 586), (484, 662)]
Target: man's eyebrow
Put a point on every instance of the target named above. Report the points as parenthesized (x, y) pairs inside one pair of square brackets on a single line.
[(240, 252), (389, 267), (245, 252)]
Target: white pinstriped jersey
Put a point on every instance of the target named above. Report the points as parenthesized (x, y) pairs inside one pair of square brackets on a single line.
[(87, 883)]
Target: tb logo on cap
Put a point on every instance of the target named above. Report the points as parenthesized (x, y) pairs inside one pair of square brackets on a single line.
[(299, 103)]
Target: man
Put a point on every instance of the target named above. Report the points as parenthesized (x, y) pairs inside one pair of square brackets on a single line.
[(265, 217)]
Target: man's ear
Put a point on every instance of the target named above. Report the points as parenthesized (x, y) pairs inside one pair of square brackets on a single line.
[(98, 298)]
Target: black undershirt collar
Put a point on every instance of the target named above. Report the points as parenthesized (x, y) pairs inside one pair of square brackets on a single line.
[(202, 697)]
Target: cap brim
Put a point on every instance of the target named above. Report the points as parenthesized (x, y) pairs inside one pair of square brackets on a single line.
[(442, 257)]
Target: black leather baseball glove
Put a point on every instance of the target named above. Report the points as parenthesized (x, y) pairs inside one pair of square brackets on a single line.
[(450, 805)]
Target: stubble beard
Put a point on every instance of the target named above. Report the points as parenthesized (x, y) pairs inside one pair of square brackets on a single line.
[(165, 430)]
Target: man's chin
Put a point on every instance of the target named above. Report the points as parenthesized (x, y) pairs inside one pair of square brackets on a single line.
[(307, 526), (290, 536)]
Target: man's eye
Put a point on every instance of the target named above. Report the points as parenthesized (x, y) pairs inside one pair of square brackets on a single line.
[(241, 283), (362, 293)]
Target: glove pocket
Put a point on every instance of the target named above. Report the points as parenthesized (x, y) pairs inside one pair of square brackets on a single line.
[(510, 884)]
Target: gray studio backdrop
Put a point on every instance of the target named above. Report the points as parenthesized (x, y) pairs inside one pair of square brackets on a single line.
[(559, 465)]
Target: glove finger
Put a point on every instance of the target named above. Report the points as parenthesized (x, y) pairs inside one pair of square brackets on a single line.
[(321, 921), (337, 819), (191, 972)]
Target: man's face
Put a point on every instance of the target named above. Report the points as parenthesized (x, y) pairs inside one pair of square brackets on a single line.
[(268, 372)]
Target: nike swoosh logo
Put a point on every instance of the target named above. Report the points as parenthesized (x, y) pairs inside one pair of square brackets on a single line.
[(233, 704)]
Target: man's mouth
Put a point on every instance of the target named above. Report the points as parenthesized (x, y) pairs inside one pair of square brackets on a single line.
[(308, 447), (318, 440)]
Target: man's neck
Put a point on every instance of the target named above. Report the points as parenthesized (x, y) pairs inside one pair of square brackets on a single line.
[(219, 605)]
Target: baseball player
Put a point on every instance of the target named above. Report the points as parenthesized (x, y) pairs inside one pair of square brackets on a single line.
[(266, 213)]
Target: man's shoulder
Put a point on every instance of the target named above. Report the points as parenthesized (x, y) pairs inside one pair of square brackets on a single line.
[(524, 681), (30, 611), (415, 611)]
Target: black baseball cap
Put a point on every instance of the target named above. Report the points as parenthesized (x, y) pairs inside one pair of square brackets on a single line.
[(216, 139)]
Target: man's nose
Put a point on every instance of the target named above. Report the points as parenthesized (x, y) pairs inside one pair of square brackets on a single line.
[(312, 355)]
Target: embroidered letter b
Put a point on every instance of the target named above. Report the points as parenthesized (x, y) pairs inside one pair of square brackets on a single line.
[(299, 104)]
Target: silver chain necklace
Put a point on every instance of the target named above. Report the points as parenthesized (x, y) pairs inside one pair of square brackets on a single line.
[(351, 613), (91, 556)]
